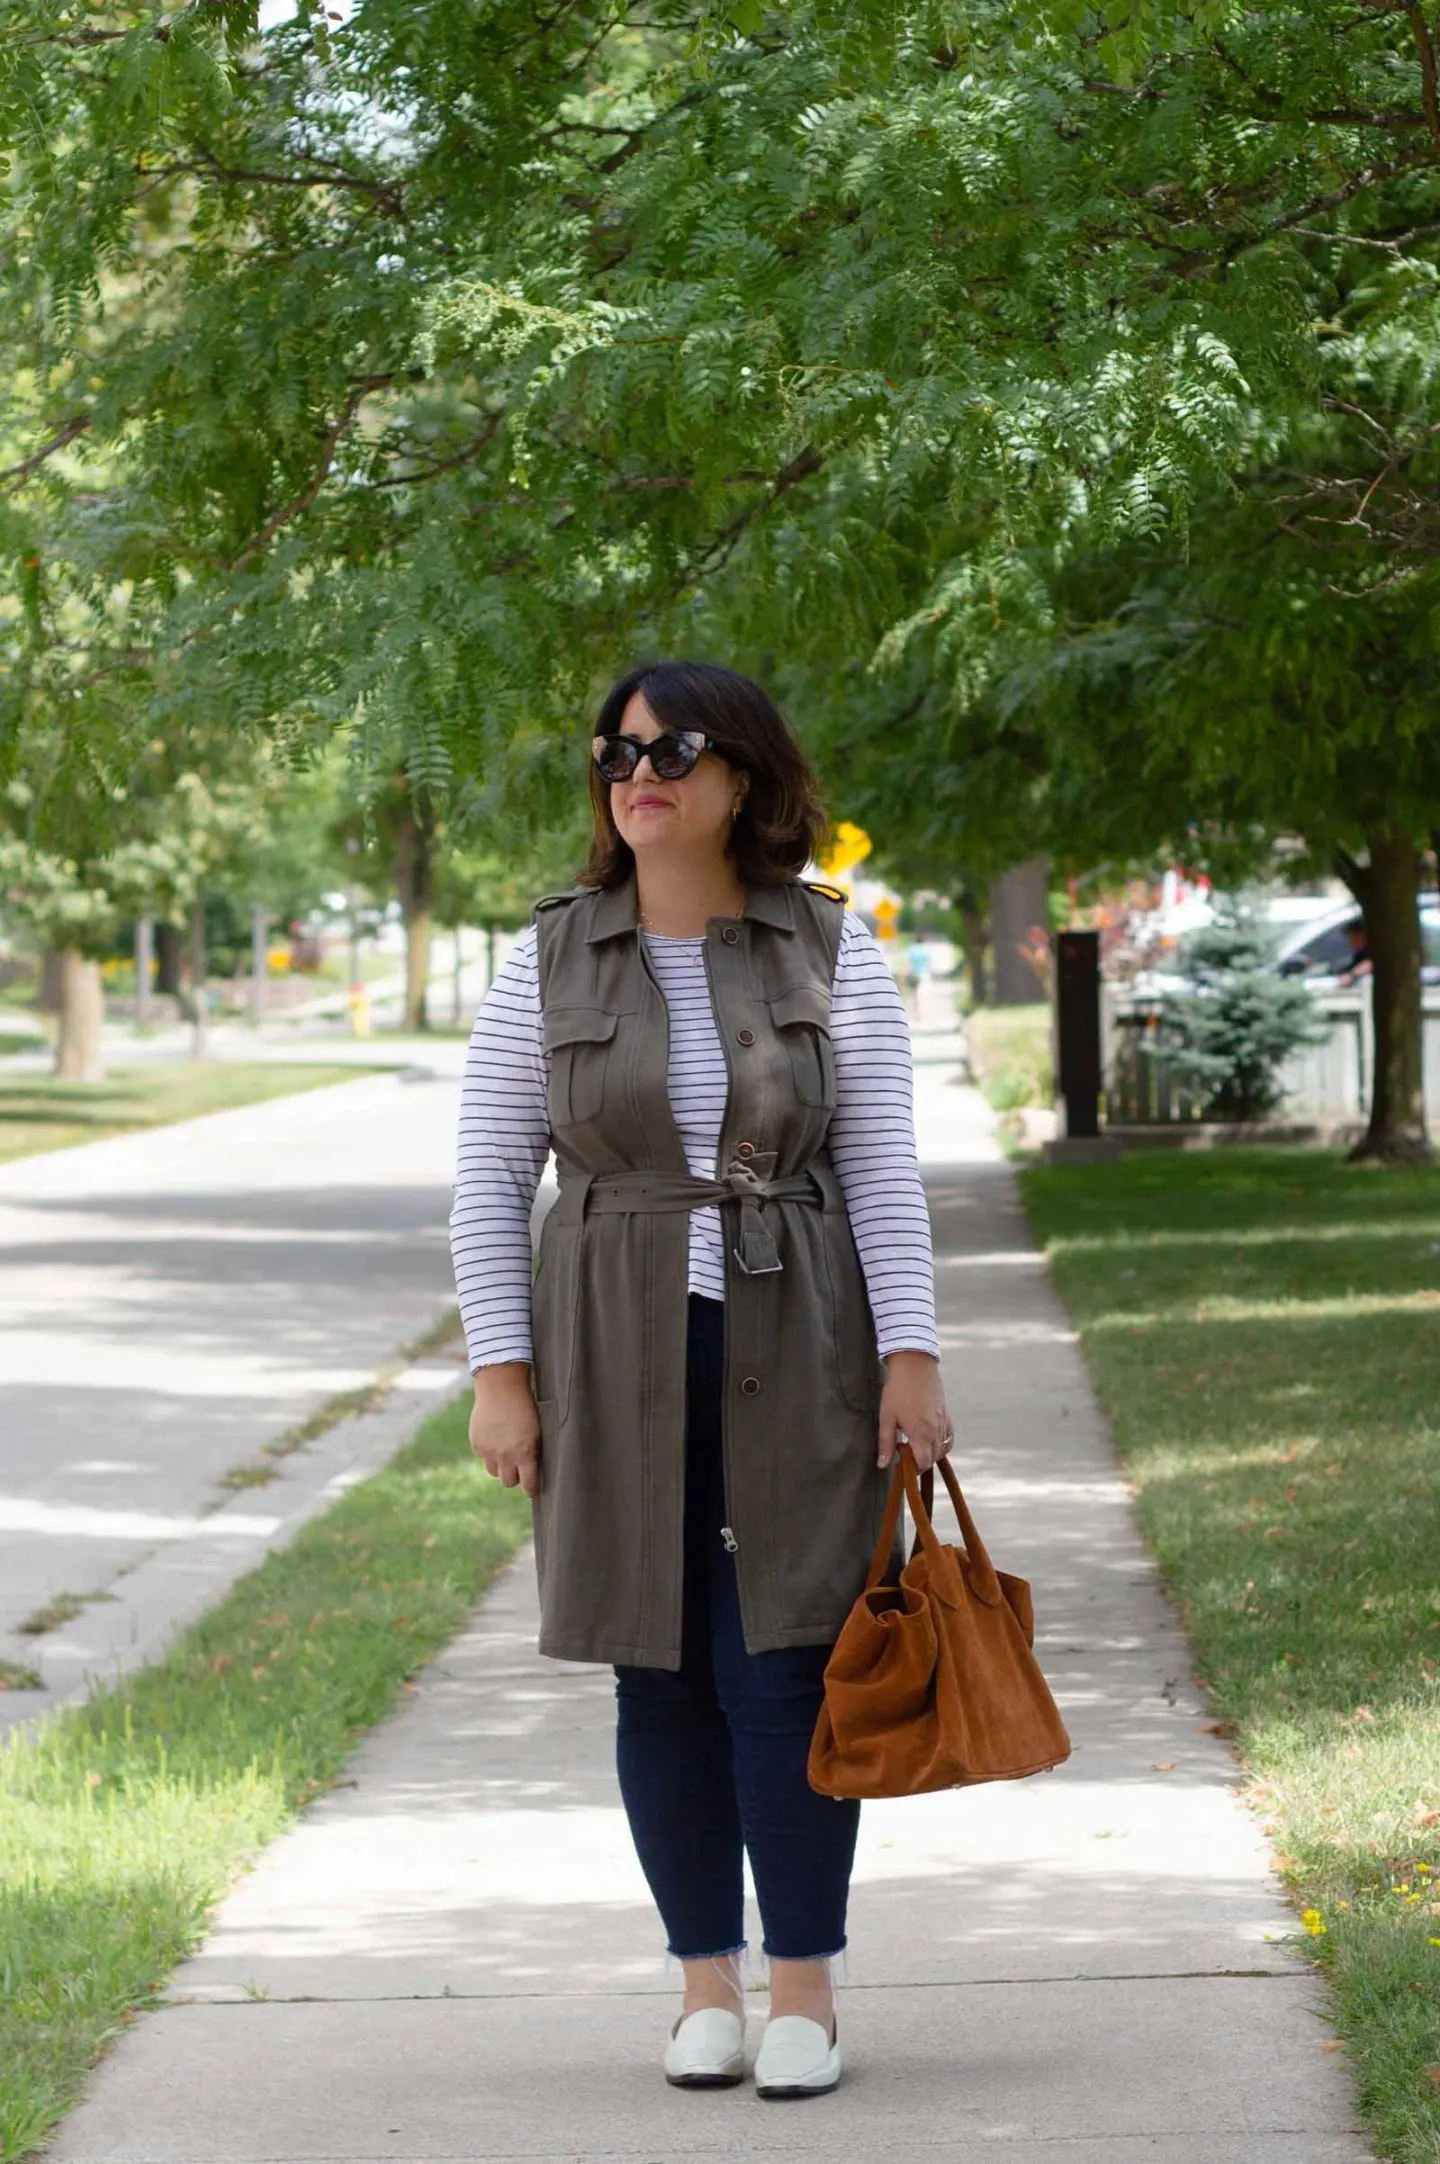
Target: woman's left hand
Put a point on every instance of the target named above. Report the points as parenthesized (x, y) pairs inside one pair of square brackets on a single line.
[(912, 1410)]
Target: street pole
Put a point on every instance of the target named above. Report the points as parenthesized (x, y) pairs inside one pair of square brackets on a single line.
[(457, 1002), (144, 958), (259, 960)]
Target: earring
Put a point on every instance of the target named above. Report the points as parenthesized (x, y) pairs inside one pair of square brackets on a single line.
[(735, 809)]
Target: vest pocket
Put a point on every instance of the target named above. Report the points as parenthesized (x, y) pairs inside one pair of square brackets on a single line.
[(578, 1042), (802, 1016)]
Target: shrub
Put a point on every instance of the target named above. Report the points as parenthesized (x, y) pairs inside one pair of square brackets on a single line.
[(1228, 1035)]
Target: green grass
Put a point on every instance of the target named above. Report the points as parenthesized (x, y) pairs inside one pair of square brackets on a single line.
[(60, 1609), (1010, 1052), (123, 1821), (37, 1113), (1263, 1328)]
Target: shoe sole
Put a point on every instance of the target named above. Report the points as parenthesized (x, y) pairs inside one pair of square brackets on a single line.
[(787, 2092), (704, 2081)]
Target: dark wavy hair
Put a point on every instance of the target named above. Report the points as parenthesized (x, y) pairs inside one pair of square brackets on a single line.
[(781, 819)]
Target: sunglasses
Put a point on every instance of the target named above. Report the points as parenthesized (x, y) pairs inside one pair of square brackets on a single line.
[(672, 754)]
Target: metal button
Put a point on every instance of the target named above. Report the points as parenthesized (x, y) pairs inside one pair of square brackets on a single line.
[(745, 1036), (744, 1149), (750, 1385), (731, 935)]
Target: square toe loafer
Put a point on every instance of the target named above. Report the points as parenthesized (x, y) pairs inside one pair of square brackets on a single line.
[(707, 2050), (797, 2058)]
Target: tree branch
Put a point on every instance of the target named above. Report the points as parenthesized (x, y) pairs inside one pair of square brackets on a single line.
[(208, 166), (1426, 49), (1203, 259), (1355, 875), (301, 503), (720, 547), (463, 457), (75, 426)]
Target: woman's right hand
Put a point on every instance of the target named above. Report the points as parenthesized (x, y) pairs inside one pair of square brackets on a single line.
[(505, 1427)]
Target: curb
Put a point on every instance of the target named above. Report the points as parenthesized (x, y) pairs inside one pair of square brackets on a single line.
[(189, 1572)]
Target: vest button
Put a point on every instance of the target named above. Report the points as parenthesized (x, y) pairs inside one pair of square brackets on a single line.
[(744, 1036), (750, 1385), (744, 1149), (731, 935)]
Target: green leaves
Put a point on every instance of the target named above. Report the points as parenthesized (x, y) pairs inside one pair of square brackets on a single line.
[(882, 349)]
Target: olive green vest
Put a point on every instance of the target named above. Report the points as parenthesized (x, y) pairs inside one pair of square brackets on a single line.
[(804, 1497)]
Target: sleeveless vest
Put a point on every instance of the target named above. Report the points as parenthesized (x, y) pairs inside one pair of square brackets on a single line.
[(804, 1498)]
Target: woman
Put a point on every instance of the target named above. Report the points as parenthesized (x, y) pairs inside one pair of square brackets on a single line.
[(733, 1320)]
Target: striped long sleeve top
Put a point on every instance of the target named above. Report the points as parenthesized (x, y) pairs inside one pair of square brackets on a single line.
[(504, 1140)]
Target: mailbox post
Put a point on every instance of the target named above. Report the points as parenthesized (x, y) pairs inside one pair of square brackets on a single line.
[(1077, 1031)]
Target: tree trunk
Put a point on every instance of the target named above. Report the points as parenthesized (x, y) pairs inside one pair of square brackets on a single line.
[(415, 881), (52, 963), (1019, 901), (78, 1054), (259, 960), (418, 926), (1387, 889), (199, 970), (167, 959), (972, 946), (144, 960)]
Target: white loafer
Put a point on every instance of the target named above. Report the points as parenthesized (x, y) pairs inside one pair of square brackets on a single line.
[(797, 2058), (706, 2050)]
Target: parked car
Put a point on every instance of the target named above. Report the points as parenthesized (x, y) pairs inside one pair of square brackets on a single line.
[(1323, 950), (1313, 941)]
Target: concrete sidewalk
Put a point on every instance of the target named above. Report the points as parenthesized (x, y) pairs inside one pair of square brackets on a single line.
[(174, 1300), (454, 1957)]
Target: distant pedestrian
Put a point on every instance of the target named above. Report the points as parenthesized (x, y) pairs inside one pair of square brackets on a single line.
[(732, 1321), (917, 971), (1361, 963)]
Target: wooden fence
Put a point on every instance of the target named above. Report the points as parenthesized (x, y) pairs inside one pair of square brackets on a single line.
[(1328, 1083)]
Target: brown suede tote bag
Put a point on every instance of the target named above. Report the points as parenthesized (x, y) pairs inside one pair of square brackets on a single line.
[(932, 1683)]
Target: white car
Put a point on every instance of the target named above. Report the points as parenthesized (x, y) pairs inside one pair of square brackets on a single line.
[(1321, 951), (1312, 942)]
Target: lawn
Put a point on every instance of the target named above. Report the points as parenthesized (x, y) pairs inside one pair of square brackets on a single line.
[(1009, 1050), (126, 1819), (37, 1113), (1263, 1329)]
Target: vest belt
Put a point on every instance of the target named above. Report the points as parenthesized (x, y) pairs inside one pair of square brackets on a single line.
[(755, 1250)]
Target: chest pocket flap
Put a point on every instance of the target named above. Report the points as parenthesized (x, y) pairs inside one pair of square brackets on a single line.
[(578, 1041), (802, 1016)]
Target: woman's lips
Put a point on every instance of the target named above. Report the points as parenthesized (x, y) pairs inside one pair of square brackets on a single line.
[(651, 803)]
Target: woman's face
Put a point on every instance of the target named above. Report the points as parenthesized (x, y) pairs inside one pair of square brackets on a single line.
[(693, 814)]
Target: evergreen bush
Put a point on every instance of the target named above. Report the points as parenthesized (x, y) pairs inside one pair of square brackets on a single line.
[(1228, 1034)]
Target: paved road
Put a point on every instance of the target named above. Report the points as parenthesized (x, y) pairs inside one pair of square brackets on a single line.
[(173, 1300), (454, 1957)]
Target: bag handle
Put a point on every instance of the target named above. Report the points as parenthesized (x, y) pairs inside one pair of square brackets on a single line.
[(983, 1575), (919, 1492)]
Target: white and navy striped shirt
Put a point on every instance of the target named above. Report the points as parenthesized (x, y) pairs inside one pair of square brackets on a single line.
[(505, 1139)]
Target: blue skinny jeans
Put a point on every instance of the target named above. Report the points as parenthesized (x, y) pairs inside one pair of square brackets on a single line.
[(712, 1758)]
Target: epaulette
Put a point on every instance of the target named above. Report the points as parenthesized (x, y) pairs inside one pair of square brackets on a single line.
[(553, 901), (818, 886)]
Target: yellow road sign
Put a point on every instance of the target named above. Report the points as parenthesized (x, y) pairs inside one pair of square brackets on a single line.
[(849, 845)]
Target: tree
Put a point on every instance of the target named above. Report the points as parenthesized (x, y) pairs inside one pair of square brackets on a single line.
[(1231, 1031), (842, 337)]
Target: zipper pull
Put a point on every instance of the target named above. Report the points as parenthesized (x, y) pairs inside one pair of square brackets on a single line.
[(732, 1545)]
